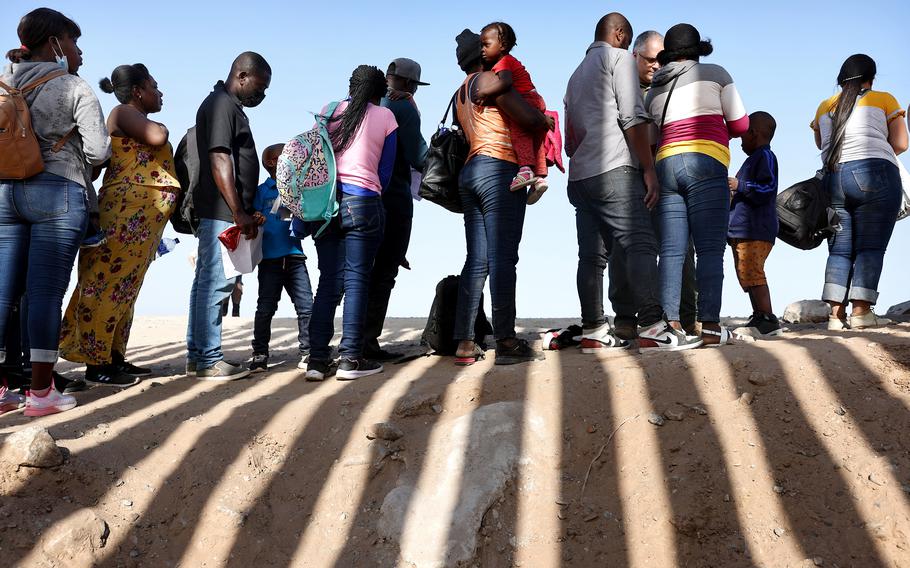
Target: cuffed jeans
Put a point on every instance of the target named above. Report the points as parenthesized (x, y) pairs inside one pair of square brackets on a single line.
[(399, 211), (608, 207), (346, 253), (290, 273), (42, 222), (866, 195), (210, 288), (694, 203), (493, 222)]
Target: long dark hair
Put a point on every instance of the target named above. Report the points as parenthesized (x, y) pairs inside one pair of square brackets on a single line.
[(683, 41), (36, 27), (123, 79), (367, 83), (855, 71)]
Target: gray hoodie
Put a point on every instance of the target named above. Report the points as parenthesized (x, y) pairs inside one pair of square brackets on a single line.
[(56, 107)]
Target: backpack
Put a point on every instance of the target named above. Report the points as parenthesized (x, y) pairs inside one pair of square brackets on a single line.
[(186, 163), (440, 328), (306, 174), (20, 153), (805, 216)]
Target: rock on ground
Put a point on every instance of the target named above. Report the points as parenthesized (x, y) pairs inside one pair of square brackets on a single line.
[(457, 489), (31, 447), (75, 542), (807, 311), (902, 309)]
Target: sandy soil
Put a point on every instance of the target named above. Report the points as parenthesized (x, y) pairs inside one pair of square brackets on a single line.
[(792, 452)]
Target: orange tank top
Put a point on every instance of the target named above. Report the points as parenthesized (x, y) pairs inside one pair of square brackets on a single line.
[(483, 126)]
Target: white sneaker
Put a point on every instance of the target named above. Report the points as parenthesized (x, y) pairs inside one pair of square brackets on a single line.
[(600, 338), (868, 320), (10, 401), (52, 403), (303, 361), (835, 324), (661, 335)]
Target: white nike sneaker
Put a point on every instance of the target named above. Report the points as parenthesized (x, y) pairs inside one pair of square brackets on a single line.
[(661, 335), (600, 338)]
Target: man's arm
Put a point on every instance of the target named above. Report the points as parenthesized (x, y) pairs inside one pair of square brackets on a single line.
[(634, 121), (223, 174)]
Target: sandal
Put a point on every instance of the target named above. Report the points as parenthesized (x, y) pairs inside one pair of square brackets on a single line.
[(522, 179), (467, 360), (726, 338)]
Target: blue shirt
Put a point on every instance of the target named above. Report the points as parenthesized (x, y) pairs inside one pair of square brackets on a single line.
[(753, 209), (277, 241)]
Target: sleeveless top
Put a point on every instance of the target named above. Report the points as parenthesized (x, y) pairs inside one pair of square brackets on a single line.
[(484, 126), (141, 164)]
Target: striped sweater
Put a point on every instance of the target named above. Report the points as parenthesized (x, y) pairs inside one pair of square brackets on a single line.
[(705, 110)]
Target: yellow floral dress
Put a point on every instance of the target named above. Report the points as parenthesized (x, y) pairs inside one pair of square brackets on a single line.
[(137, 198)]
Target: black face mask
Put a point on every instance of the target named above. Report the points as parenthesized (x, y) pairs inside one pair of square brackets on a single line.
[(252, 100)]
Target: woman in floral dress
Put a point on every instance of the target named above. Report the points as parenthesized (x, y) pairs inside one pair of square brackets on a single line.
[(138, 196)]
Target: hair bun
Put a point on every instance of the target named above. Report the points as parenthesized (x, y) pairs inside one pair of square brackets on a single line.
[(705, 48), (106, 85)]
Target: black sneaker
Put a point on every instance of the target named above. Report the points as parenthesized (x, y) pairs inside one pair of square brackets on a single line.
[(767, 325), (319, 370), (350, 369), (130, 369), (260, 363), (68, 386), (109, 375), (520, 352)]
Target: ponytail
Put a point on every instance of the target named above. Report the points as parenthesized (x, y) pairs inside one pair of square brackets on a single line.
[(367, 83), (857, 70)]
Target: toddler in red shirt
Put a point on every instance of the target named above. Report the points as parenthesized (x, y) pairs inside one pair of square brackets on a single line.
[(497, 40)]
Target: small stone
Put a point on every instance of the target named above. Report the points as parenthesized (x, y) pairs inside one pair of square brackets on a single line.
[(779, 532), (876, 479), (119, 483), (134, 553), (807, 311), (818, 561), (656, 419), (385, 431), (778, 489), (591, 517), (759, 379), (31, 447), (699, 410), (673, 414), (727, 498), (437, 408), (126, 503), (840, 411), (746, 398), (591, 428), (417, 404)]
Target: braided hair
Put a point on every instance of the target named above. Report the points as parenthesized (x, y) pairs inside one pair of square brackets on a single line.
[(367, 83), (506, 35)]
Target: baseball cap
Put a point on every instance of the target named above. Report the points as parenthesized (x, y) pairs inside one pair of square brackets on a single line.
[(406, 68)]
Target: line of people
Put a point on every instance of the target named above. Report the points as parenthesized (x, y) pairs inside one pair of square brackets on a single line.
[(647, 134)]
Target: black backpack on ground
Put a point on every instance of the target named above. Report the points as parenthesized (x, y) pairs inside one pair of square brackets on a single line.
[(186, 164), (805, 216), (441, 324)]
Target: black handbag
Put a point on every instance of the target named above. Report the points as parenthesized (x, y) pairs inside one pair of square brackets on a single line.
[(805, 215), (446, 156)]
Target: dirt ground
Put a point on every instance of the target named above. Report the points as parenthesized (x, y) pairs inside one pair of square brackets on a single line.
[(790, 452)]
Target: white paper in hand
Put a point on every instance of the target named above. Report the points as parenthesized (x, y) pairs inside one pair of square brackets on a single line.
[(244, 258)]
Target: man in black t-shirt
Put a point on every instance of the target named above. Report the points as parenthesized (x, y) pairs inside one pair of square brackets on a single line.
[(228, 177)]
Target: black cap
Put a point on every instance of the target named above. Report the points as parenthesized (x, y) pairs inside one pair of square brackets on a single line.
[(468, 50)]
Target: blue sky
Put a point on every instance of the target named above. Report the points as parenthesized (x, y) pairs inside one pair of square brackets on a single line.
[(784, 57)]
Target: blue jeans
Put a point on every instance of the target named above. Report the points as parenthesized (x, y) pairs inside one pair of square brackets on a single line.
[(42, 222), (210, 288), (290, 273), (346, 253), (867, 195), (694, 202), (612, 206), (493, 222)]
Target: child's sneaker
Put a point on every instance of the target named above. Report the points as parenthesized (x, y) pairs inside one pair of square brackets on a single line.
[(523, 178), (600, 338), (9, 400), (350, 369), (537, 190), (51, 403), (766, 325), (662, 335), (319, 370), (259, 364)]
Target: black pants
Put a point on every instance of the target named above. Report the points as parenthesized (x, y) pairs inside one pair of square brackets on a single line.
[(290, 273), (399, 211)]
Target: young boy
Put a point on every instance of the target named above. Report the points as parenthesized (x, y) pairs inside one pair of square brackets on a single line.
[(283, 266), (753, 220)]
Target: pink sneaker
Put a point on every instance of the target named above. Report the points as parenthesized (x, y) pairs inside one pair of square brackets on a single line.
[(52, 403), (523, 179), (10, 401)]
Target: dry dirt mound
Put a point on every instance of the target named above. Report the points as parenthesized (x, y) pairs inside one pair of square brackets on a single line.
[(792, 452)]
